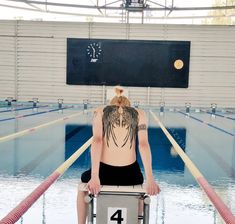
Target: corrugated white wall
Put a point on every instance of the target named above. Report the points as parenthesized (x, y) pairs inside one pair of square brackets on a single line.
[(33, 62), (7, 59)]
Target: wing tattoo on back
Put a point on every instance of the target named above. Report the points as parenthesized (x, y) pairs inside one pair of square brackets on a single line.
[(125, 117)]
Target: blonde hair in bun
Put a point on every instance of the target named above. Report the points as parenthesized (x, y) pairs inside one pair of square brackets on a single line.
[(120, 100)]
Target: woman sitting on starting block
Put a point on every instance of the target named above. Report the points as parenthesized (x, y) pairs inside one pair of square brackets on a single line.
[(113, 150)]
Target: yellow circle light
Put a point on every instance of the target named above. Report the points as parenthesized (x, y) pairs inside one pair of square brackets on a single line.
[(178, 64)]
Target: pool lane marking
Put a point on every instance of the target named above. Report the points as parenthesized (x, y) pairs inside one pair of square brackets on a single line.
[(219, 115), (229, 170), (208, 124), (33, 129), (29, 167), (14, 215), (222, 208), (25, 108), (37, 113), (63, 167)]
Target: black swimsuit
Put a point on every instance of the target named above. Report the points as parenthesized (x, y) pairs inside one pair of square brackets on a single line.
[(117, 175)]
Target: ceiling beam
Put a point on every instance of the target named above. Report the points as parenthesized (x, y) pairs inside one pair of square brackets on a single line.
[(113, 16), (122, 7)]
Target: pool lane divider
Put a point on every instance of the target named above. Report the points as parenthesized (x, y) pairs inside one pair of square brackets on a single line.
[(37, 113), (29, 167), (15, 214), (222, 208), (33, 129), (208, 124), (25, 108), (220, 115)]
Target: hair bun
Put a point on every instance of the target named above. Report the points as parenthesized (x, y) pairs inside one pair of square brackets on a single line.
[(118, 90), (120, 100)]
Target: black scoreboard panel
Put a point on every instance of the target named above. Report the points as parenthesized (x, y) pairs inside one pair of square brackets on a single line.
[(128, 62)]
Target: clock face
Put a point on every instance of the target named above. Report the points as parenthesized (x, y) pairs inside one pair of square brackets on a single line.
[(94, 51)]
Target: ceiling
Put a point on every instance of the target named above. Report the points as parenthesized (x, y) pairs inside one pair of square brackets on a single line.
[(139, 11)]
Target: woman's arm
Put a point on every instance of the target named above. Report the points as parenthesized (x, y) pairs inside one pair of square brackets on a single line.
[(96, 151), (145, 153)]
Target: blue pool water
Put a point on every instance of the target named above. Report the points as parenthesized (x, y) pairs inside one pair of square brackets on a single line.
[(26, 161)]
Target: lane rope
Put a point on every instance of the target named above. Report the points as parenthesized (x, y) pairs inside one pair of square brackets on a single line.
[(221, 207), (32, 114), (33, 129), (25, 108), (208, 124), (220, 115), (15, 214)]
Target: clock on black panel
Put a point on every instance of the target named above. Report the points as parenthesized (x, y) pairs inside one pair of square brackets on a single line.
[(94, 52)]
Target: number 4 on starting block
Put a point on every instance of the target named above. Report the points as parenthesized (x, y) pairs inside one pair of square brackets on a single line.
[(117, 205), (117, 208), (117, 215)]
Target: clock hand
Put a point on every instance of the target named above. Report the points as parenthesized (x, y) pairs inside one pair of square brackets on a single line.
[(93, 51)]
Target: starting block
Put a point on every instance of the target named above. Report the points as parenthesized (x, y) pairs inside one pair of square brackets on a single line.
[(117, 204)]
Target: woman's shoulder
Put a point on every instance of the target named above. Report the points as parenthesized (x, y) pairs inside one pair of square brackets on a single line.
[(140, 112), (98, 109)]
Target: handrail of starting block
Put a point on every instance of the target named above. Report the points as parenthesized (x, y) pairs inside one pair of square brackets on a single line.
[(139, 189)]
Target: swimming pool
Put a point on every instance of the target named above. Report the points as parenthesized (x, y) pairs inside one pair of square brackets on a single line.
[(26, 161)]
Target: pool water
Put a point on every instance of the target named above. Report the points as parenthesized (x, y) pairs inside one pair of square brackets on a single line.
[(27, 160)]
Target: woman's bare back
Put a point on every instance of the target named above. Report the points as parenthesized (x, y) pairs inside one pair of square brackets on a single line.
[(120, 125)]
